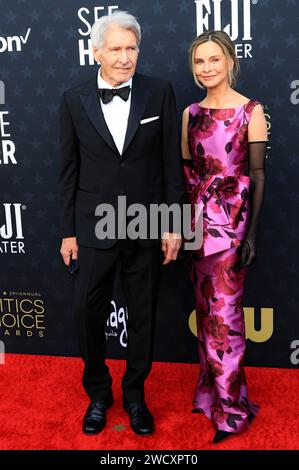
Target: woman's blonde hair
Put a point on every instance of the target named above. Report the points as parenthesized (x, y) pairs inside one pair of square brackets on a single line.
[(227, 46)]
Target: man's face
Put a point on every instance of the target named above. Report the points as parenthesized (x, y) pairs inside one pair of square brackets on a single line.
[(118, 55)]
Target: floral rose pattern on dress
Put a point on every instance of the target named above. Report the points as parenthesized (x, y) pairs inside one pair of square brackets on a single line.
[(217, 181)]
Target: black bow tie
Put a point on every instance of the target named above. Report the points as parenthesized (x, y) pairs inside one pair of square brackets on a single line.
[(107, 94)]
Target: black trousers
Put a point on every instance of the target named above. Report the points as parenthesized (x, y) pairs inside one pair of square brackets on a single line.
[(140, 273)]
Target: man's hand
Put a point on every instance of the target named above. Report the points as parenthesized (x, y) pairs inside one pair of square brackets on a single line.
[(171, 243), (69, 249)]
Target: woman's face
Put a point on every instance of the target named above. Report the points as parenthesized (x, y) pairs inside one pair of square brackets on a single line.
[(211, 67)]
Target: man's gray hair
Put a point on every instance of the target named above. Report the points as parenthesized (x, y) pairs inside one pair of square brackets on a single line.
[(122, 19)]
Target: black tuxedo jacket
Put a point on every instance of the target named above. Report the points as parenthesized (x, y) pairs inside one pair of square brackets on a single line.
[(93, 172)]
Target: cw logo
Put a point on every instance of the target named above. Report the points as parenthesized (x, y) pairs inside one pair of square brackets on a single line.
[(257, 336)]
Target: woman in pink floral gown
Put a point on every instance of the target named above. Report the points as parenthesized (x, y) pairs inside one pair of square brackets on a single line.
[(223, 143)]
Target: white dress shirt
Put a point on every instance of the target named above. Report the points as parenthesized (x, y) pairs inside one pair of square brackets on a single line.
[(116, 113)]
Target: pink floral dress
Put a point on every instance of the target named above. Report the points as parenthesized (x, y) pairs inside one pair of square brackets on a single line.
[(218, 182)]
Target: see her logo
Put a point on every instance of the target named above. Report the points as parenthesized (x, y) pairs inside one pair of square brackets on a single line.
[(88, 17)]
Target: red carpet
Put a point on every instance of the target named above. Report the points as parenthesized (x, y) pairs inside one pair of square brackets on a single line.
[(42, 405)]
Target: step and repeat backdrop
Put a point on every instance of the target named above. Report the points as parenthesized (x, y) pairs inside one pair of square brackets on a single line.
[(44, 50)]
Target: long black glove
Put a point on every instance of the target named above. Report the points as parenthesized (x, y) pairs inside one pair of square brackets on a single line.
[(257, 156)]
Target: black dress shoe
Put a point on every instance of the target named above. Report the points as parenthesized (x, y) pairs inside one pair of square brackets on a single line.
[(220, 435), (141, 419), (94, 420)]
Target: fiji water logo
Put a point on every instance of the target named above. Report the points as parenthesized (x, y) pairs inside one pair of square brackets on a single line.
[(210, 13), (11, 231), (13, 227)]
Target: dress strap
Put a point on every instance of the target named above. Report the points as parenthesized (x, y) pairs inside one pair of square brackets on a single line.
[(248, 108)]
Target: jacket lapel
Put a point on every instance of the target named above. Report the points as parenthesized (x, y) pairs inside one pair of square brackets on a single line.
[(92, 105), (91, 101), (139, 99)]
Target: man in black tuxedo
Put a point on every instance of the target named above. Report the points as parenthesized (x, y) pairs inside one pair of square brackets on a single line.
[(119, 137)]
